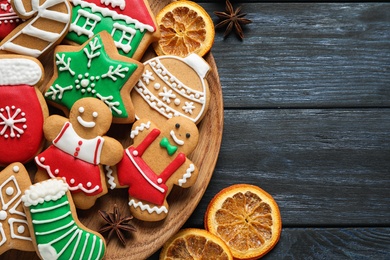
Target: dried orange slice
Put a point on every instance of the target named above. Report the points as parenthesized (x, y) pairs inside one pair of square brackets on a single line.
[(193, 243), (185, 28), (247, 218)]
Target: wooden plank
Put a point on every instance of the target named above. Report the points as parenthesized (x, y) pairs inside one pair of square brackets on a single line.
[(330, 243), (324, 167), (307, 55)]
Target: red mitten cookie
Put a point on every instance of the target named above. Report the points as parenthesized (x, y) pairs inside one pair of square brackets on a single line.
[(155, 162), (22, 109), (8, 18), (79, 150)]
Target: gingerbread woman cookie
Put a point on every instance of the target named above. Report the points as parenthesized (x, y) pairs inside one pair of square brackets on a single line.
[(79, 150), (46, 24), (94, 69), (23, 109), (155, 162), (171, 86), (14, 232)]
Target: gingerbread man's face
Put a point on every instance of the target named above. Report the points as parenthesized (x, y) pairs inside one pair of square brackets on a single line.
[(183, 133), (90, 117)]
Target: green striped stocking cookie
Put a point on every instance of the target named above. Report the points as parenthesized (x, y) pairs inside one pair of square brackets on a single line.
[(57, 233)]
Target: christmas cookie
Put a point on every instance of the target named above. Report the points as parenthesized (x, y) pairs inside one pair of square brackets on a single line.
[(171, 86), (155, 162), (130, 22), (22, 109), (79, 149), (8, 18), (14, 232), (47, 23), (56, 231), (94, 69)]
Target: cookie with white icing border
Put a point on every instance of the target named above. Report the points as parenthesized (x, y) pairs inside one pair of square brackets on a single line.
[(94, 69), (155, 162), (171, 86), (23, 109), (8, 18), (46, 24), (14, 231), (78, 150)]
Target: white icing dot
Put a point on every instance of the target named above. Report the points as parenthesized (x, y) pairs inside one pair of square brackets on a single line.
[(135, 153), (16, 169), (95, 114), (21, 229), (56, 171), (157, 86), (3, 215), (81, 109), (72, 181), (89, 184), (9, 191), (24, 126), (159, 180), (177, 101), (42, 159)]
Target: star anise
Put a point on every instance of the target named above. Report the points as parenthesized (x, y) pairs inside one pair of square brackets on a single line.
[(232, 19), (115, 223)]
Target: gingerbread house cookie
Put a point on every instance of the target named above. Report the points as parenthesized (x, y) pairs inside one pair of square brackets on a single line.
[(14, 231), (130, 23)]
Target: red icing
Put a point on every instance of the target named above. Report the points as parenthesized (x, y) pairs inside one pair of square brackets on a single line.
[(74, 171), (8, 19), (24, 146), (151, 186), (135, 9)]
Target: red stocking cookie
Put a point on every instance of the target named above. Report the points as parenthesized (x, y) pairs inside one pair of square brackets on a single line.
[(22, 109), (155, 162), (79, 149)]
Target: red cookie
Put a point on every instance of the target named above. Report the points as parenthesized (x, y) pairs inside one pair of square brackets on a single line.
[(8, 18)]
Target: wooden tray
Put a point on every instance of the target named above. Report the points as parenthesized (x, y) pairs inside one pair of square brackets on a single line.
[(150, 236)]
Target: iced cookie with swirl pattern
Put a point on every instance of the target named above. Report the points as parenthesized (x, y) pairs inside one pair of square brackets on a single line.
[(23, 109), (172, 86), (14, 231), (45, 24), (79, 148), (131, 24), (155, 162), (94, 69)]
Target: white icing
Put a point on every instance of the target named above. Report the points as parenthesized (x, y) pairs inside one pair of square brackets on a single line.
[(114, 3), (11, 68), (198, 64), (15, 169), (3, 215), (12, 119), (139, 129), (16, 235), (86, 124), (10, 180), (187, 175), (9, 191), (111, 179), (147, 207), (175, 139), (49, 190)]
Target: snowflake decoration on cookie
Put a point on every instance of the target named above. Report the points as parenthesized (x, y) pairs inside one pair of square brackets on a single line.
[(12, 121), (90, 71), (188, 107), (167, 95)]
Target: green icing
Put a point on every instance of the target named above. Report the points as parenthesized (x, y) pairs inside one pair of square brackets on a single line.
[(105, 24), (90, 72), (57, 233)]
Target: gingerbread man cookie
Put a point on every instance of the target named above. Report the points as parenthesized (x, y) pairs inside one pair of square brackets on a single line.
[(23, 109), (155, 162), (46, 24), (79, 149), (171, 86), (94, 69), (14, 232)]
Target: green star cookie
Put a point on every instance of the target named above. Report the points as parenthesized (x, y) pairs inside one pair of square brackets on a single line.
[(94, 69)]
